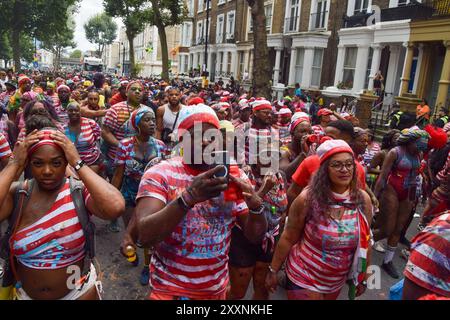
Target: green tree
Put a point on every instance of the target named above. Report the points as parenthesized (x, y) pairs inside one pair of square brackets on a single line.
[(35, 18), (76, 54), (57, 42), (5, 48), (132, 13), (101, 30), (261, 76), (162, 14)]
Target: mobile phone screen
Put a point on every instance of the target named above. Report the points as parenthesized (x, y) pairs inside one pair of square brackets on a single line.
[(222, 158)]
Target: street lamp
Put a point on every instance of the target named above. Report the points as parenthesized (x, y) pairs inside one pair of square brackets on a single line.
[(205, 73)]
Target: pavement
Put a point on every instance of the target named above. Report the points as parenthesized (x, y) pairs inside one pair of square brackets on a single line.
[(121, 280)]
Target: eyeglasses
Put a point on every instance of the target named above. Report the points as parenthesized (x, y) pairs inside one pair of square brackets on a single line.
[(339, 166)]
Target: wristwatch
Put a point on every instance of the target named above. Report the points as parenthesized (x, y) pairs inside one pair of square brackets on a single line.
[(258, 211), (79, 165), (271, 269)]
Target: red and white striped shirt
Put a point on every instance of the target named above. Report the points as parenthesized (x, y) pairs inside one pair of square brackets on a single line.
[(318, 130), (258, 140), (115, 119), (322, 260), (86, 141), (443, 175), (193, 260), (428, 265), (54, 241), (5, 150)]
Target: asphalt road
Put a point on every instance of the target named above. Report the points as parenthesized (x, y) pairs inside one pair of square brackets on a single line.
[(121, 280)]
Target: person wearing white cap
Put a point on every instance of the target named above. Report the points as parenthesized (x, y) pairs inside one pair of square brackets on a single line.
[(284, 121), (244, 114), (298, 148), (183, 213), (327, 236), (261, 132)]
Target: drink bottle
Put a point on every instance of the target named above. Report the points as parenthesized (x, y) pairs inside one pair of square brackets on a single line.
[(131, 255)]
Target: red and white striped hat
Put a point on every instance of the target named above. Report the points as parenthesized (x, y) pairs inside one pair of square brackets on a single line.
[(285, 112), (261, 104), (332, 147)]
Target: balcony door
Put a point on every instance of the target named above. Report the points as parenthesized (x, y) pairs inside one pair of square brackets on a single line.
[(294, 12), (321, 14)]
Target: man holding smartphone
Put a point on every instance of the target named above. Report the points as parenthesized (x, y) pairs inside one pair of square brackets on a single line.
[(182, 212)]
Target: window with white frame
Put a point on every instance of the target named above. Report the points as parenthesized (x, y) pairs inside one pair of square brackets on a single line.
[(190, 7), (200, 5), (349, 67), (268, 9), (319, 15), (219, 29), (200, 32), (186, 63), (316, 68), (299, 64), (221, 2), (361, 6), (231, 22), (292, 17)]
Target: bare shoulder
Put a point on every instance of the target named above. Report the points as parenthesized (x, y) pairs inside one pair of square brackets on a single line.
[(160, 110)]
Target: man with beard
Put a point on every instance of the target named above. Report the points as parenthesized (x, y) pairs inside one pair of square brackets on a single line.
[(167, 116), (183, 212)]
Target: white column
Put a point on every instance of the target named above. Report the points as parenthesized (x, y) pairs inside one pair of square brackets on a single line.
[(234, 63), (224, 61), (361, 68), (292, 66), (339, 65), (419, 65), (209, 62), (375, 64), (307, 67), (276, 69), (391, 77), (195, 61)]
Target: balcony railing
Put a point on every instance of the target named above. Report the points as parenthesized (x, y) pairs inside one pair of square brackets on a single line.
[(318, 20), (441, 8), (230, 38), (413, 11), (200, 41), (291, 24)]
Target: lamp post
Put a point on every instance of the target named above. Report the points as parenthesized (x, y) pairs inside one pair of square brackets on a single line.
[(205, 64), (123, 64)]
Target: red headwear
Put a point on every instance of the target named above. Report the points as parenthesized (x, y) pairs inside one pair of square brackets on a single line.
[(45, 140), (261, 104), (194, 101)]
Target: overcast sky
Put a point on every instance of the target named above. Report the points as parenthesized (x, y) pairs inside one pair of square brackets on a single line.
[(88, 8)]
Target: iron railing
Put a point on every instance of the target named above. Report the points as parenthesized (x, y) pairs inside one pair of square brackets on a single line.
[(441, 8), (319, 20), (291, 24)]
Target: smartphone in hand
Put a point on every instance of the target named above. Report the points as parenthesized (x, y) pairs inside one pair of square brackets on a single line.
[(222, 158)]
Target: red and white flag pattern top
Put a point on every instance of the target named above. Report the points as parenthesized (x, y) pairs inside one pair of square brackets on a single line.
[(193, 260)]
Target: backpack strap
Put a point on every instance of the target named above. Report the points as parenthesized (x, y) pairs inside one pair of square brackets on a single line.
[(76, 191), (21, 197)]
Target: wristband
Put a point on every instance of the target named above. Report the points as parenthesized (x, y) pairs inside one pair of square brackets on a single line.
[(258, 211), (183, 205)]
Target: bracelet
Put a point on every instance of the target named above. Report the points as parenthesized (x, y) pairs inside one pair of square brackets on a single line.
[(258, 211), (188, 197), (183, 205), (272, 270)]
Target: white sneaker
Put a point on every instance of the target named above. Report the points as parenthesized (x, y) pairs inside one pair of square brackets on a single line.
[(404, 253), (378, 246)]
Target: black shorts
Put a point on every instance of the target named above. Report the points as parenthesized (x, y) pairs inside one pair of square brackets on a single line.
[(244, 254)]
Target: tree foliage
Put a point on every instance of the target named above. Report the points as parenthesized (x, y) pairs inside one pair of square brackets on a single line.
[(76, 54), (162, 14), (101, 30), (132, 13), (41, 19)]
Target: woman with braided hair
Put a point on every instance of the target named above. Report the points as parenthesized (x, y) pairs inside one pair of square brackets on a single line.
[(396, 189)]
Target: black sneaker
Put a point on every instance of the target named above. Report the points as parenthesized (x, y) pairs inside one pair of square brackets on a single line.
[(390, 270), (405, 242)]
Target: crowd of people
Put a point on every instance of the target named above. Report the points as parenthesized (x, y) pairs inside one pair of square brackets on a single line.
[(219, 189)]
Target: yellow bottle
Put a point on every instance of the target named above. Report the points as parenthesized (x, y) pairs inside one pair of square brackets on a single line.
[(131, 255)]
